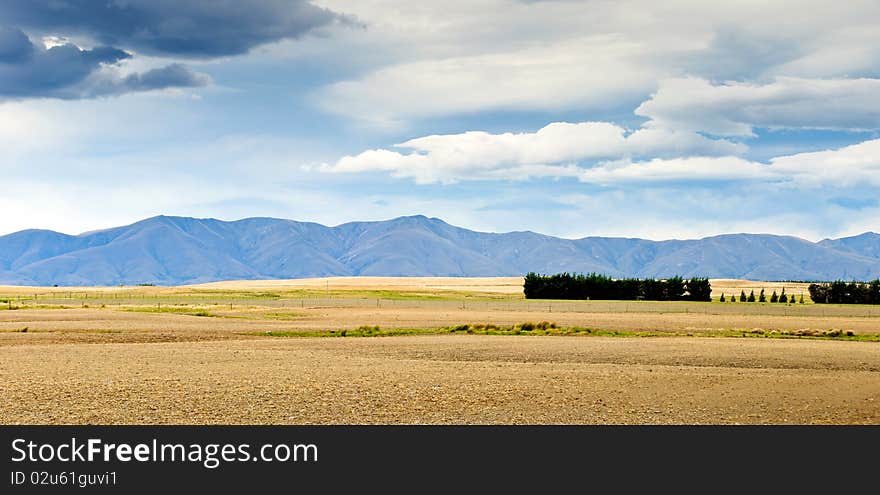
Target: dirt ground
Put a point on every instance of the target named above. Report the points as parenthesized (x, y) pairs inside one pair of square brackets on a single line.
[(178, 360), (459, 379)]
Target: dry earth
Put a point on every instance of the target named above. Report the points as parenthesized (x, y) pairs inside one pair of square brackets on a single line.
[(444, 379), (113, 365)]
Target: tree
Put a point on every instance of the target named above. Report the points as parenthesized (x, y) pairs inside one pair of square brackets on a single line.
[(782, 297), (722, 298), (819, 293), (774, 298), (762, 297), (841, 292), (698, 289), (802, 298), (674, 288), (742, 296), (751, 296)]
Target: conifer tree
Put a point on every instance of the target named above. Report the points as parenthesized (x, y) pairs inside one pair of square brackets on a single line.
[(722, 298), (751, 296), (782, 297), (742, 296), (762, 297), (802, 298), (774, 298)]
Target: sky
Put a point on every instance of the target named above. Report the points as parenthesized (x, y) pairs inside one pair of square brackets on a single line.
[(659, 120)]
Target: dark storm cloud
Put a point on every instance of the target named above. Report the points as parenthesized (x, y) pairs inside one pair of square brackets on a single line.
[(66, 71), (15, 46), (183, 28), (170, 28)]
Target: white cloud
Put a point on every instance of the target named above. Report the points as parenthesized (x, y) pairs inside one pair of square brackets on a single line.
[(854, 165), (849, 166), (582, 72), (735, 109), (727, 168), (461, 57), (552, 151)]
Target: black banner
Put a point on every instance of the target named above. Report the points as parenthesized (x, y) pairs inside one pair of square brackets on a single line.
[(220, 459)]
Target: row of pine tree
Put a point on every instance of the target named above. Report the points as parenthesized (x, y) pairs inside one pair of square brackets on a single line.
[(774, 298)]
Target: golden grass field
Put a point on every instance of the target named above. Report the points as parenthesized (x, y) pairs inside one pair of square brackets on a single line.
[(254, 352)]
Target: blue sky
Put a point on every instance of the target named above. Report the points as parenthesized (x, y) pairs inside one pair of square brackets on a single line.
[(570, 118)]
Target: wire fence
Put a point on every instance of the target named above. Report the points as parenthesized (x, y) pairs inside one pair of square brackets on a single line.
[(97, 299)]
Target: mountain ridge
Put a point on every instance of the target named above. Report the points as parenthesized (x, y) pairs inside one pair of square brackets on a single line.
[(172, 250)]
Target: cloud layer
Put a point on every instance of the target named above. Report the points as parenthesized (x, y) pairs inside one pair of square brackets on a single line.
[(190, 28), (736, 109), (117, 30)]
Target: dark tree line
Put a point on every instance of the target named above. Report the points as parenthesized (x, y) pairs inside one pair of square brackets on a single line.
[(596, 286), (841, 292)]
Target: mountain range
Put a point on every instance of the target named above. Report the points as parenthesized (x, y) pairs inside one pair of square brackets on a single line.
[(168, 250)]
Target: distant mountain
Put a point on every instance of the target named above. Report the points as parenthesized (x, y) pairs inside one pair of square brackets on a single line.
[(867, 244), (177, 250)]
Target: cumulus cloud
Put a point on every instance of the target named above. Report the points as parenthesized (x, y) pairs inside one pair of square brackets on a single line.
[(553, 151), (735, 109), (67, 71), (190, 28), (606, 154), (854, 165)]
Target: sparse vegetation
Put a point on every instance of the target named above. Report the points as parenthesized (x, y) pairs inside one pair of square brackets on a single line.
[(550, 328), (177, 310)]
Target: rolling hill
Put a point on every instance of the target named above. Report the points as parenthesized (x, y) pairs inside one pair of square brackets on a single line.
[(168, 250)]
